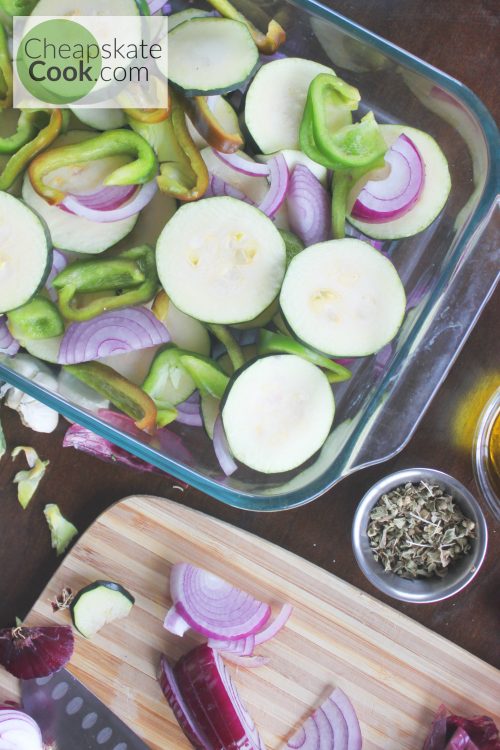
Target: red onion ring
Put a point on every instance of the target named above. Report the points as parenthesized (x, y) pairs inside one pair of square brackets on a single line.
[(59, 263), (308, 203), (388, 199), (213, 607), (114, 332), (217, 187), (242, 165), (142, 197), (279, 177), (221, 448), (8, 344)]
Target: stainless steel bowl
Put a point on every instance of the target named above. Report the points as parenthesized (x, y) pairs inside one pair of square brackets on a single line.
[(425, 590)]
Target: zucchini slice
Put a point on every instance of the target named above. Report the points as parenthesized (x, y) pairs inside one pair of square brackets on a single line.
[(277, 412), (100, 119), (210, 409), (70, 232), (99, 603), (275, 102), (221, 260), (343, 298), (434, 194), (25, 253), (185, 15), (210, 56), (224, 114)]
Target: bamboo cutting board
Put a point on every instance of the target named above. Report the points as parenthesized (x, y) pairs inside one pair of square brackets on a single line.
[(395, 671)]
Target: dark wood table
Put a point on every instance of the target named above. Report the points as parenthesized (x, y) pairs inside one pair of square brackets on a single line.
[(459, 36)]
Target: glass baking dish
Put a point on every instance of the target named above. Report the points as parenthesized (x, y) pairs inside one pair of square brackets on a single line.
[(449, 272)]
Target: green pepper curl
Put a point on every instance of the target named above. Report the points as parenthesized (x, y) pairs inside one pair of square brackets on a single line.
[(131, 275), (5, 72), (186, 176), (19, 161), (111, 143)]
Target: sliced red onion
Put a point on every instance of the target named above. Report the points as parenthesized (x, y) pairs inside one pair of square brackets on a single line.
[(241, 647), (353, 232), (333, 726), (59, 263), (174, 623), (193, 420), (354, 739), (388, 199), (107, 198), (213, 701), (242, 165), (245, 647), (142, 197), (279, 177), (189, 406), (274, 628), (87, 441), (155, 6), (436, 739), (182, 713), (8, 344), (18, 731), (114, 332), (249, 662), (218, 187), (460, 741), (166, 9), (309, 211), (221, 448), (212, 606)]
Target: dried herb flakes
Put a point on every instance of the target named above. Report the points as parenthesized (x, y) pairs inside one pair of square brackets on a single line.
[(418, 531)]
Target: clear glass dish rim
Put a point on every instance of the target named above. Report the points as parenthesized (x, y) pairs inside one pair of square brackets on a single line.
[(286, 501)]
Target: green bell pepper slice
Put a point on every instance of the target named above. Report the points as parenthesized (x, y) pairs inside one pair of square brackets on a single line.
[(226, 338), (327, 134), (276, 343), (123, 394), (27, 129), (131, 275), (342, 183), (210, 379), (111, 143), (5, 71), (185, 175), (20, 160), (37, 319)]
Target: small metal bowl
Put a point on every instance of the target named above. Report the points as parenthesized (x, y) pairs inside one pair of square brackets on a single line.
[(480, 454), (421, 590)]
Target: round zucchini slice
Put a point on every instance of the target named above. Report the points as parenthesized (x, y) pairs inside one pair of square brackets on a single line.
[(275, 102), (25, 253), (221, 260), (99, 603), (70, 232), (343, 298), (277, 412), (434, 194), (210, 56)]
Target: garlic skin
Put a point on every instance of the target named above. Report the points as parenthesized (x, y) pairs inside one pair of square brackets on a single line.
[(34, 415)]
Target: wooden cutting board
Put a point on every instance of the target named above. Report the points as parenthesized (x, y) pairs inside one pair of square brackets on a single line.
[(395, 671)]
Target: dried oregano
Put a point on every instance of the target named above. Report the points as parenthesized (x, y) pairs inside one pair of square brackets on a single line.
[(417, 530)]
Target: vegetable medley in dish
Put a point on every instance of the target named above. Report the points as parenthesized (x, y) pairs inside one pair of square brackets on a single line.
[(236, 239)]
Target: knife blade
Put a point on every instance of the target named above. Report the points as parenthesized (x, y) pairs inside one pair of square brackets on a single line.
[(70, 717)]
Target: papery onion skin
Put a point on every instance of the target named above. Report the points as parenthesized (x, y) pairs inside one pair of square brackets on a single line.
[(388, 199), (308, 204), (29, 653), (212, 606), (94, 445)]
